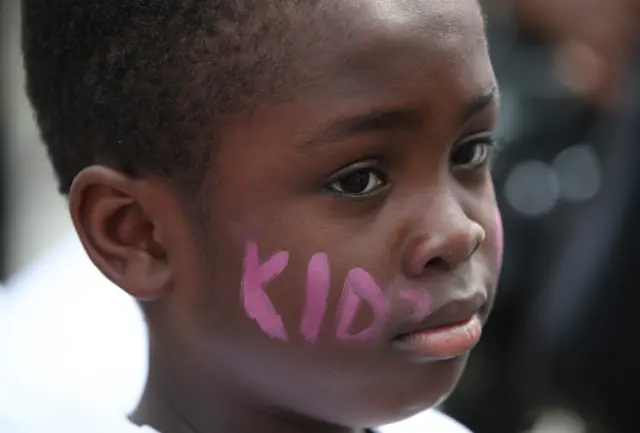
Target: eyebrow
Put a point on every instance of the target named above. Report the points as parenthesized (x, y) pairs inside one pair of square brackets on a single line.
[(390, 120), (479, 104)]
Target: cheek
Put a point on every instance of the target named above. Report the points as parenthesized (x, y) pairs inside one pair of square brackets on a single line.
[(499, 238), (359, 292)]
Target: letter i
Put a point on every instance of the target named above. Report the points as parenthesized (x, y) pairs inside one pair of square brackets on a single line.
[(318, 283)]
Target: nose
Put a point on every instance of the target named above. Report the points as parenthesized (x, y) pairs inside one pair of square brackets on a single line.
[(444, 239)]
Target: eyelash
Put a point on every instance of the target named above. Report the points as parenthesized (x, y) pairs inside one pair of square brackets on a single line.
[(489, 146), (377, 180)]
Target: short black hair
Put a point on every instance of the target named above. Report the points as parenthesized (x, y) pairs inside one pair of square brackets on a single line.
[(135, 84)]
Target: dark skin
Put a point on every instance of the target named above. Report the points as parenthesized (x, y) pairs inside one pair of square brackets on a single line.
[(407, 197)]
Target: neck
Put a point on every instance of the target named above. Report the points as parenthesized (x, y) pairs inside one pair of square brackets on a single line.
[(176, 400)]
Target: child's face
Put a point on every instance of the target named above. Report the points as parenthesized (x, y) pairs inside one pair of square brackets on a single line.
[(377, 163)]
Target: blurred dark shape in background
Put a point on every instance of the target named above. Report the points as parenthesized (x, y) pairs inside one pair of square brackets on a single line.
[(563, 329), (3, 161), (583, 332), (3, 200)]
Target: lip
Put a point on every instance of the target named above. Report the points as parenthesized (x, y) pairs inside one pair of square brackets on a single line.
[(443, 343), (452, 312), (451, 330)]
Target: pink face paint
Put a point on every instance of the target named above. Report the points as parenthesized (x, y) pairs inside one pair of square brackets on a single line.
[(359, 286), (318, 283), (420, 303), (256, 302)]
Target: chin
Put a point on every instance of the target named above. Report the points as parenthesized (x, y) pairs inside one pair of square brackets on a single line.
[(394, 400)]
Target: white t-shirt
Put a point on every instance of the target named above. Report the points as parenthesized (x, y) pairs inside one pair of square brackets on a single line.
[(72, 342)]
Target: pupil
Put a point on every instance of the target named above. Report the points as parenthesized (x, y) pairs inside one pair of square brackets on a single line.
[(464, 155), (355, 183)]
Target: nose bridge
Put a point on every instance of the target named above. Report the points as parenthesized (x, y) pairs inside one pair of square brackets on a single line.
[(444, 236)]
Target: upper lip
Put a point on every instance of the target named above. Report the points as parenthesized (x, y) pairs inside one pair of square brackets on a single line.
[(452, 312)]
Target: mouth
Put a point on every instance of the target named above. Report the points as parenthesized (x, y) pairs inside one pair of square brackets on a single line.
[(449, 332)]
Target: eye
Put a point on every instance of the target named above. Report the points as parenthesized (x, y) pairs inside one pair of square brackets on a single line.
[(358, 183), (473, 153)]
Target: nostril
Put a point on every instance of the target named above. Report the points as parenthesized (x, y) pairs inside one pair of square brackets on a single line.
[(442, 262), (473, 251), (436, 262)]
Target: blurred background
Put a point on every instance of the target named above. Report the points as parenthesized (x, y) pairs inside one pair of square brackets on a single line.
[(559, 352)]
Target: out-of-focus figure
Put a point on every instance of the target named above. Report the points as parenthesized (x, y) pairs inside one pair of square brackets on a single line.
[(568, 186), (590, 41)]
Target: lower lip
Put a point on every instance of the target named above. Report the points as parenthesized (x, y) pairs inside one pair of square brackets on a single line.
[(444, 343)]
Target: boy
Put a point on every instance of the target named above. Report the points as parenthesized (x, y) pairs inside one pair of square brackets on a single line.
[(296, 192)]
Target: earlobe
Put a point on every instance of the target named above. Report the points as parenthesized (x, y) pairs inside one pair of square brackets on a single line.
[(118, 233)]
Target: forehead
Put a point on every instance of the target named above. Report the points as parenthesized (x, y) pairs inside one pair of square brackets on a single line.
[(427, 18), (356, 48), (349, 57), (361, 34)]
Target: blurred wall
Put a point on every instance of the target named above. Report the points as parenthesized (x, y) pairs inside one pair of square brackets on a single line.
[(37, 214)]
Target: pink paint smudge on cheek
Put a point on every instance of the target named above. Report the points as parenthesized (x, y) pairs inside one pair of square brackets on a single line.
[(254, 279), (318, 283), (360, 285), (420, 303)]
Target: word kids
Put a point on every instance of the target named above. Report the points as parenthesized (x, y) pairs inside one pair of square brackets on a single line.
[(359, 286)]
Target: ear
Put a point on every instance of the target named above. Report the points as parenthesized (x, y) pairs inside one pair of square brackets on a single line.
[(118, 233)]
